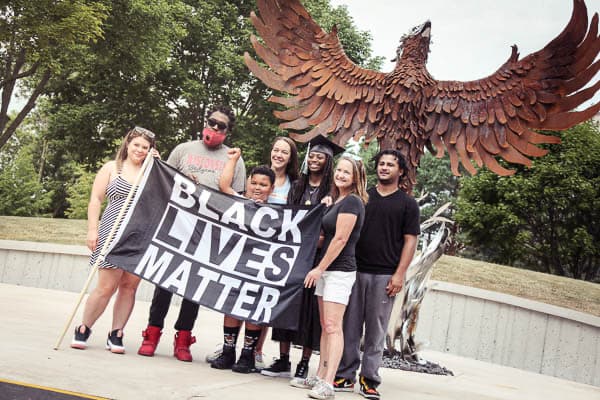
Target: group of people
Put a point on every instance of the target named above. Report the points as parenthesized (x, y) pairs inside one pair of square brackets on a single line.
[(368, 239)]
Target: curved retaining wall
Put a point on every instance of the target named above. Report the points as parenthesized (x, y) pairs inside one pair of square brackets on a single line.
[(511, 331), (465, 321), (53, 266)]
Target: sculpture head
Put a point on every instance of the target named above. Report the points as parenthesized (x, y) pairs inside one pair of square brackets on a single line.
[(414, 46)]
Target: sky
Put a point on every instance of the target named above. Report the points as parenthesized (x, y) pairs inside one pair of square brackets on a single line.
[(471, 38)]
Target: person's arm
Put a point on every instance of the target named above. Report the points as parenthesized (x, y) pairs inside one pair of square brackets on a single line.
[(408, 252), (97, 196), (343, 228), (239, 182), (226, 177), (412, 230), (321, 239)]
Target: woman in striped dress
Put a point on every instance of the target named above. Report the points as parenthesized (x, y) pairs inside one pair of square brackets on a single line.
[(113, 181)]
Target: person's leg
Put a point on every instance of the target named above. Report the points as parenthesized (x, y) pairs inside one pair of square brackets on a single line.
[(353, 329), (311, 381), (380, 306), (161, 300), (332, 345), (121, 311), (231, 330), (246, 362), (264, 330), (188, 312), (258, 352), (303, 364), (281, 367), (125, 300), (284, 348), (322, 368), (332, 328), (309, 333), (108, 281), (231, 322)]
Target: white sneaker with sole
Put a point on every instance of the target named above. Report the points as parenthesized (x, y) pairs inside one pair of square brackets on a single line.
[(305, 383), (215, 354), (322, 391)]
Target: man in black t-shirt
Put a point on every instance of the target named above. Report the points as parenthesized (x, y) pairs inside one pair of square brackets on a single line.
[(384, 251)]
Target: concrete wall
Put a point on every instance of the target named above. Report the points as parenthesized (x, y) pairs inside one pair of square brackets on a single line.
[(512, 331), (53, 266), (465, 321)]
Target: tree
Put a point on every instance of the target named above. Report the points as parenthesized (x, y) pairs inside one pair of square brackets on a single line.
[(38, 40), (188, 56), (21, 187), (79, 193), (201, 65), (546, 217), (114, 85), (436, 181)]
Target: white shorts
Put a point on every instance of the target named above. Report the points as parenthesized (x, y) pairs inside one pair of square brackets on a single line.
[(335, 286)]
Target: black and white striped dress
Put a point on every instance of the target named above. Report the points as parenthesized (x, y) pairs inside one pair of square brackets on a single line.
[(116, 192)]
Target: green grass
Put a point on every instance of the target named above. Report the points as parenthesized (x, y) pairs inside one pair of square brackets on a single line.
[(564, 292), (557, 290), (54, 230)]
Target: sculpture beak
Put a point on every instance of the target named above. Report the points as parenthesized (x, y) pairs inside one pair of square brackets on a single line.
[(426, 30)]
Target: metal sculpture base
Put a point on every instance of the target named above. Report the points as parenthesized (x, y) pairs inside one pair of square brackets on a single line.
[(395, 360)]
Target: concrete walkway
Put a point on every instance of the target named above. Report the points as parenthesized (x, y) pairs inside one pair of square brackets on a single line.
[(31, 320)]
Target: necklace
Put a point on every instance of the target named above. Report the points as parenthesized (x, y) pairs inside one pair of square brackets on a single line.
[(311, 190)]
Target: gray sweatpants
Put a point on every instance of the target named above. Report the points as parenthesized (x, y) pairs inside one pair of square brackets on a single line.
[(369, 305)]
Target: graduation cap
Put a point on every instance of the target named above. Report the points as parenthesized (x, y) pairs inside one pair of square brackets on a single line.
[(320, 144)]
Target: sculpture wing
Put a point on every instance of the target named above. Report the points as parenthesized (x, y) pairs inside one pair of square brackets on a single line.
[(327, 90), (495, 117)]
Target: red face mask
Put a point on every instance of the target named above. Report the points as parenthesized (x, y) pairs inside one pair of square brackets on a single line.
[(213, 138)]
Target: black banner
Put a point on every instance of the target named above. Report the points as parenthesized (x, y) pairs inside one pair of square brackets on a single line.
[(230, 254)]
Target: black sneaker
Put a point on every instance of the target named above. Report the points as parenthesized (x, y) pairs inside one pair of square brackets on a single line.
[(280, 368), (368, 390), (80, 339), (245, 364), (301, 369), (343, 385), (114, 343), (225, 360)]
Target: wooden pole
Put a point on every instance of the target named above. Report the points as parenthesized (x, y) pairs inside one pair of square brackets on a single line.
[(105, 247)]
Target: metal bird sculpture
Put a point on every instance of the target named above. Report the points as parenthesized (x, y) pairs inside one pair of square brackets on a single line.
[(401, 346), (482, 121)]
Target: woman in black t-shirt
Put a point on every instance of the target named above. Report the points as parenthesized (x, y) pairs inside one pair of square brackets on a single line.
[(335, 271), (313, 184)]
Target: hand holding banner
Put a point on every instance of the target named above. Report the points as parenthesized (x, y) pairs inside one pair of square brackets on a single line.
[(230, 254)]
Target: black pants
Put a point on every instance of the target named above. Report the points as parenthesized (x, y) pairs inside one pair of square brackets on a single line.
[(188, 312)]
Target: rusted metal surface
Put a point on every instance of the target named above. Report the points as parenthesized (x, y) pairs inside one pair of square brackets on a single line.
[(483, 121)]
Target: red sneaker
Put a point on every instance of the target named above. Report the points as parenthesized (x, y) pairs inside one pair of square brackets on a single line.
[(181, 345), (151, 337)]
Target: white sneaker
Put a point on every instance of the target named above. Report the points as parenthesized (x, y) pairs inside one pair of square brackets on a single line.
[(305, 383), (215, 354), (322, 391), (259, 361)]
